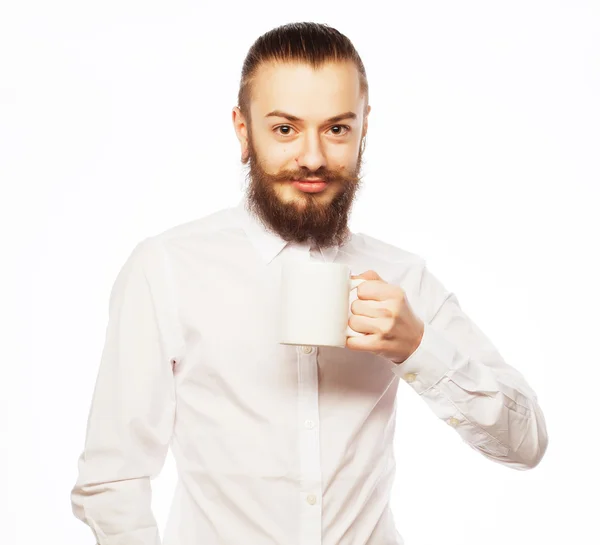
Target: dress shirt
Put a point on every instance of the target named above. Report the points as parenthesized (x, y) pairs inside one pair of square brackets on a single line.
[(274, 444)]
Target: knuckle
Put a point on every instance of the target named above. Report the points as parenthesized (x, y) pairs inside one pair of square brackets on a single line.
[(387, 312), (389, 326)]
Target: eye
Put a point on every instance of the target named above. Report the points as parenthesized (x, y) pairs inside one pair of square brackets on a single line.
[(340, 130), (346, 127), (286, 132)]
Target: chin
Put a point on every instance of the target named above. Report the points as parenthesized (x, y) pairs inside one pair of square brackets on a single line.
[(286, 192)]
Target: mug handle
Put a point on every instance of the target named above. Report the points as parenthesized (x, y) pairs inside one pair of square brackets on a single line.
[(354, 283)]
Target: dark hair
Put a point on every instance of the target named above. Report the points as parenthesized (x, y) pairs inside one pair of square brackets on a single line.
[(311, 43)]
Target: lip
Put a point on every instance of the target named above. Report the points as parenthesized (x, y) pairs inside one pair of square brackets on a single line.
[(310, 186)]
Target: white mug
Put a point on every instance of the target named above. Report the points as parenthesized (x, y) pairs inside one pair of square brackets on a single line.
[(315, 303)]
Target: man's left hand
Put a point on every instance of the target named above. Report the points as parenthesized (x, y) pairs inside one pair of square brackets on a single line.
[(383, 313)]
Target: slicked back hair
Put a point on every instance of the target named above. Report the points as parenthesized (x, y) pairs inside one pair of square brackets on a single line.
[(312, 43)]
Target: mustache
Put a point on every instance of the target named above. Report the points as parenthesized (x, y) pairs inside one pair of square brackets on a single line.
[(325, 175)]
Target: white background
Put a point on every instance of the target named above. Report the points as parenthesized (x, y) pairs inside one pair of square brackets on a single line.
[(482, 157)]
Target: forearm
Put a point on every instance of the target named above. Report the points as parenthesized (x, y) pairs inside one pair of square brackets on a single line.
[(118, 512), (494, 412), (132, 413)]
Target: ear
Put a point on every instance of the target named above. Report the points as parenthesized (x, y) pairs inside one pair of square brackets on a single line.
[(241, 131), (366, 121)]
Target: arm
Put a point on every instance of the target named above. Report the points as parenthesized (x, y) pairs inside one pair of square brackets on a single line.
[(465, 381), (133, 406)]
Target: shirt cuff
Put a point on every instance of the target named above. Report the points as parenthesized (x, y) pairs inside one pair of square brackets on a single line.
[(429, 363)]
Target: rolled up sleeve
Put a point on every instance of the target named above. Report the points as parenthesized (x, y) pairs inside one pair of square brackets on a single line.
[(132, 411)]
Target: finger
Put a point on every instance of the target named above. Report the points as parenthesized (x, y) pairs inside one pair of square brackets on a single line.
[(377, 290), (363, 324), (361, 343), (369, 308), (368, 275)]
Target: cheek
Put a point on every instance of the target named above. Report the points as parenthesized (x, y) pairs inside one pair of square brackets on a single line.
[(278, 154)]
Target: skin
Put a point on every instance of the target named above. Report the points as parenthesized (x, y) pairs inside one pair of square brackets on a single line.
[(279, 150)]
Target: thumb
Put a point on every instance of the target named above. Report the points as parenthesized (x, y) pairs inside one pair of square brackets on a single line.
[(368, 275)]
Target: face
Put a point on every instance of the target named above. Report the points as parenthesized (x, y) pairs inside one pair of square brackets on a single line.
[(305, 125)]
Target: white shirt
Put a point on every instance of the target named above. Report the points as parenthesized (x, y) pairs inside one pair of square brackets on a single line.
[(274, 444)]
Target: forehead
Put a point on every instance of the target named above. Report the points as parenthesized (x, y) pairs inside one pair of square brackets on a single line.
[(309, 93)]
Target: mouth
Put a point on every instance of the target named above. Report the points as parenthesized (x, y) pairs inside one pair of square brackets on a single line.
[(310, 186)]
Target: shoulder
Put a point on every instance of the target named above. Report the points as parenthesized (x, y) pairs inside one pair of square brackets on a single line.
[(217, 222), (187, 238), (380, 250), (148, 256)]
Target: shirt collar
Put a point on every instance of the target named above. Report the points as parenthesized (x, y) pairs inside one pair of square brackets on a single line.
[(267, 243)]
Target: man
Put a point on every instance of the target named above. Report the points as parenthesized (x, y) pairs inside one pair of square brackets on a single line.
[(279, 444)]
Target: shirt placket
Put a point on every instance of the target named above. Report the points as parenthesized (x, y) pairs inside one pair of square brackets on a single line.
[(309, 445), (310, 499)]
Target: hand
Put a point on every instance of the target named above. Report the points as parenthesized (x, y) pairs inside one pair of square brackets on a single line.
[(383, 313)]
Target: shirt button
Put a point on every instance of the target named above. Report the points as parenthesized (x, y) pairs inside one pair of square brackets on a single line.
[(309, 424), (311, 499), (410, 377), (453, 422), (307, 349)]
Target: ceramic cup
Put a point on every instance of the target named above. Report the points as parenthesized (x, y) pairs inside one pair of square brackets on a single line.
[(315, 303)]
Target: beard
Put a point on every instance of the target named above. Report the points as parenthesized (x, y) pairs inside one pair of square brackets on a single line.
[(305, 218)]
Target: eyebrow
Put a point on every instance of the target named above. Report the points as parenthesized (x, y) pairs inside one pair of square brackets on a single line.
[(290, 117)]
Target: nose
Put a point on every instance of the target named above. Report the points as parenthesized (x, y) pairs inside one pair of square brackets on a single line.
[(311, 155)]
